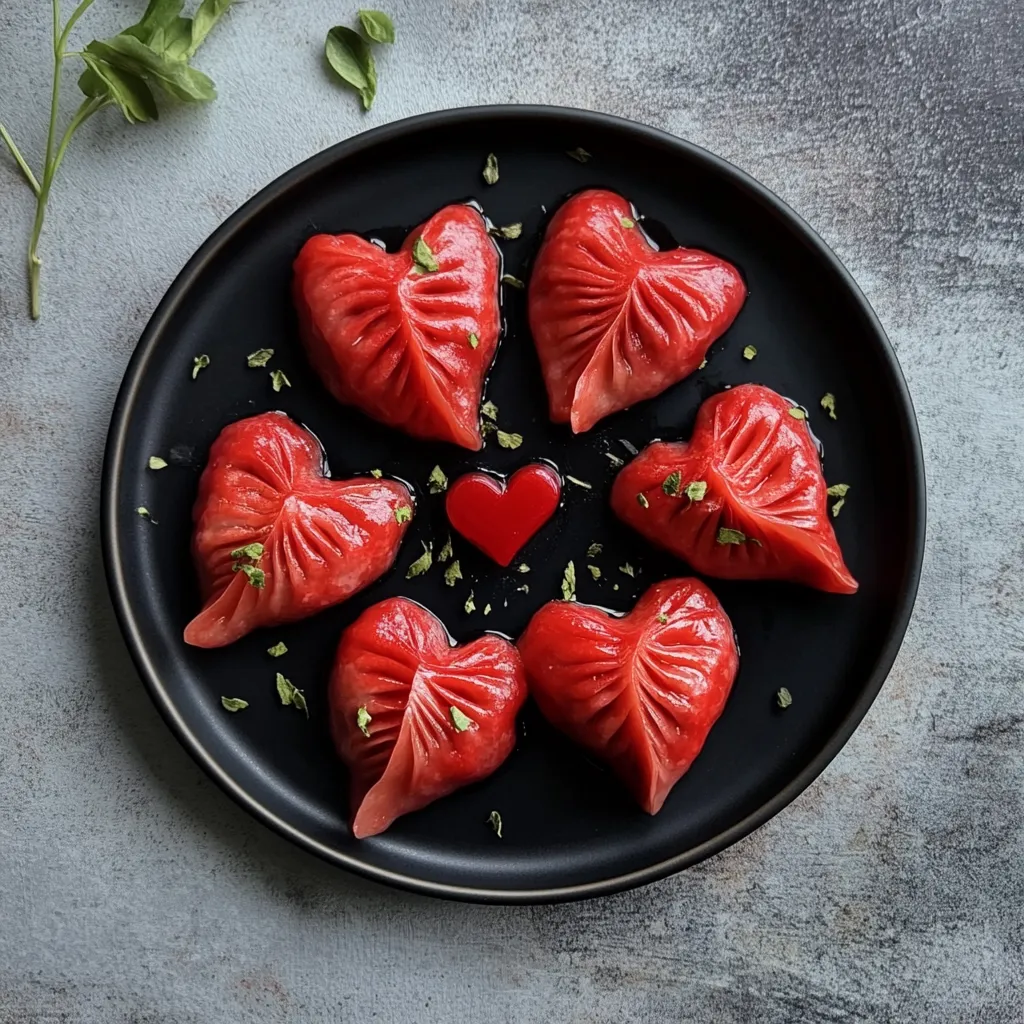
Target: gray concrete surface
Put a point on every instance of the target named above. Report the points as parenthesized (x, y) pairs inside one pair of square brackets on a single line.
[(132, 890)]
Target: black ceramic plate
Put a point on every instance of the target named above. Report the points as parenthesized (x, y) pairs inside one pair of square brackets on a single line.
[(569, 829)]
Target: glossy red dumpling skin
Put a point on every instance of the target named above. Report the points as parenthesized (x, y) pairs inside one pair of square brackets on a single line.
[(397, 661), (616, 321), (394, 340), (322, 539), (640, 691), (764, 480)]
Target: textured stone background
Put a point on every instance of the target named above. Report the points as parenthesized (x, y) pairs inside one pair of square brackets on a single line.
[(132, 890)]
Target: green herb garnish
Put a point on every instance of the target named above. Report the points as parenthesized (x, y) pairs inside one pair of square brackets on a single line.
[(509, 231), (120, 71), (376, 474), (363, 720), (278, 380), (490, 410), (627, 569), (403, 513), (512, 282), (144, 513), (641, 500), (671, 484), (377, 26), (259, 358), (446, 552), (696, 489), (453, 573), (278, 649), (797, 413), (256, 577), (470, 604), (579, 154), (460, 720), (569, 583), (233, 703), (487, 609), (423, 257), (702, 364), (494, 820), (253, 551), (473, 341), (828, 403), (509, 440), (524, 589), (199, 363), (595, 571), (522, 567), (290, 694), (155, 462), (837, 506), (749, 352), (594, 550), (837, 490), (579, 483), (783, 698), (728, 536), (437, 482), (662, 618), (351, 59), (422, 564), (491, 169), (627, 222)]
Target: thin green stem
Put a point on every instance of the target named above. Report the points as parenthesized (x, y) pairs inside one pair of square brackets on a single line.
[(75, 15), (19, 159)]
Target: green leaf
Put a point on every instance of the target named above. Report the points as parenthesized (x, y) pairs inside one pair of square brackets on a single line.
[(126, 53), (509, 440), (254, 551), (837, 506), (403, 513), (376, 473), (662, 618), (579, 154), (509, 231), (278, 380), (129, 92), (446, 552), (174, 40), (422, 564), (208, 14), (783, 698), (487, 609), (199, 363), (363, 720), (159, 16), (696, 489), (797, 413), (522, 567), (377, 26), (671, 484), (257, 577), (627, 569), (155, 462), (594, 550), (290, 694), (491, 169), (627, 222), (595, 571), (437, 482), (569, 583), (473, 341), (749, 352), (727, 536), (423, 257), (494, 820), (278, 649), (461, 721), (259, 358), (641, 500), (352, 61), (470, 604), (512, 282), (234, 703), (490, 410), (828, 403), (837, 490), (143, 512), (453, 573), (579, 483)]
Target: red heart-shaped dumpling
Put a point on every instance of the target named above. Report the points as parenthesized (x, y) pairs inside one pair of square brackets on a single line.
[(499, 517), (415, 717), (614, 320), (762, 511), (640, 691), (406, 337), (276, 539)]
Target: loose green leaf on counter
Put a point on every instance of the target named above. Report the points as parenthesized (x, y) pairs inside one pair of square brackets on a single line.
[(422, 564), (278, 380), (491, 169), (278, 649), (363, 720), (423, 257), (351, 59), (569, 583), (233, 703), (199, 363), (259, 358), (437, 482), (460, 719), (377, 26), (155, 462)]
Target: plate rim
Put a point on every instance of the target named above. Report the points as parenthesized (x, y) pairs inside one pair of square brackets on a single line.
[(224, 234)]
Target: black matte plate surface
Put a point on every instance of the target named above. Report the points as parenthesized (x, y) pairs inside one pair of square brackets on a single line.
[(569, 830)]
